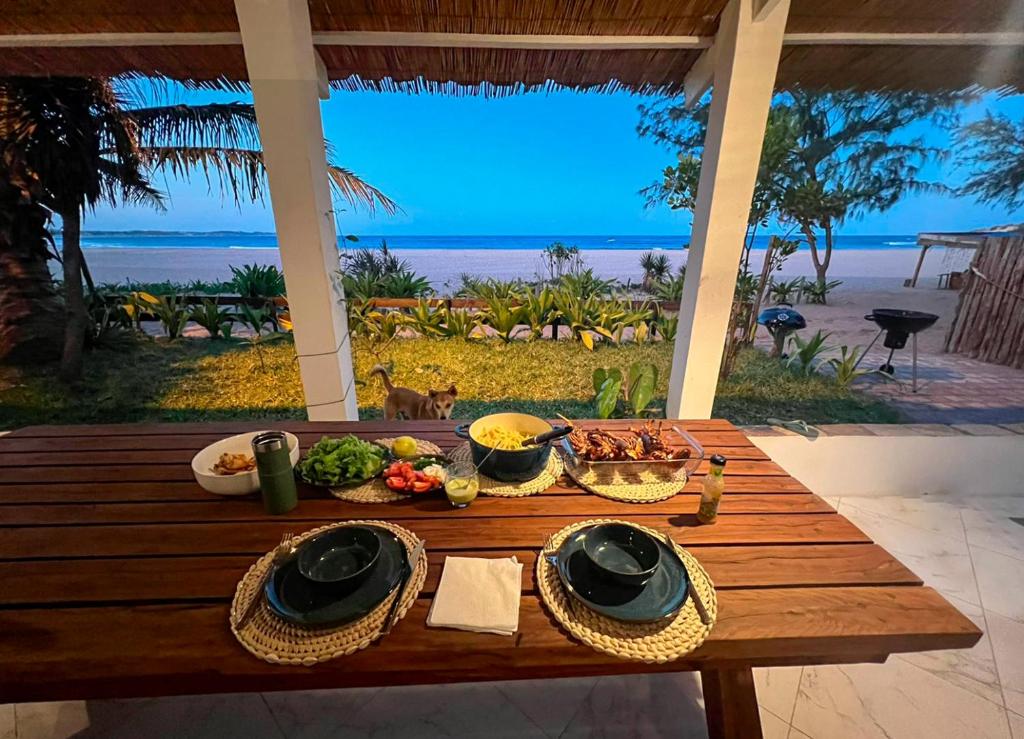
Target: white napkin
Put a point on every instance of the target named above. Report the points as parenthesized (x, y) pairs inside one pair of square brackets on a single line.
[(478, 595)]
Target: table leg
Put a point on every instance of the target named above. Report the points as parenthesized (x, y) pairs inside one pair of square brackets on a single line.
[(730, 702)]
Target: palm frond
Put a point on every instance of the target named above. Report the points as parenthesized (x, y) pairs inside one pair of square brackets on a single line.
[(357, 191), (122, 185), (237, 173), (225, 125)]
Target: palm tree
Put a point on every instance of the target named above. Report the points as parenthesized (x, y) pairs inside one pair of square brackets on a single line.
[(89, 141)]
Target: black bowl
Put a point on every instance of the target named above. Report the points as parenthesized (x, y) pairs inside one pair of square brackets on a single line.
[(621, 553), (340, 557)]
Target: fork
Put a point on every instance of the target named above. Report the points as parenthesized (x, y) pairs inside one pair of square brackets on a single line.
[(281, 551)]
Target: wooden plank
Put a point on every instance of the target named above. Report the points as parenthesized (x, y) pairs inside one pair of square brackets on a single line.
[(730, 704), (176, 579), (453, 532), (182, 472), (78, 653), (121, 491), (9, 445), (89, 458), (296, 427), (433, 506)]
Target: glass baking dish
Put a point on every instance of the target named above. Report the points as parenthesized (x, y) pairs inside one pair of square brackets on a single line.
[(637, 472)]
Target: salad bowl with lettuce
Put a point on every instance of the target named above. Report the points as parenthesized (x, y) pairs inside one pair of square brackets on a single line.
[(342, 462)]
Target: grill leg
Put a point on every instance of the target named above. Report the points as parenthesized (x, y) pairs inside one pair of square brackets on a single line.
[(865, 352), (913, 375)]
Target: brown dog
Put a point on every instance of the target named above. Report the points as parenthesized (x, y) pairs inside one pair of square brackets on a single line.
[(411, 404)]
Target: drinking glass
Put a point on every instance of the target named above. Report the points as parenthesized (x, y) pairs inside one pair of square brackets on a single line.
[(461, 484)]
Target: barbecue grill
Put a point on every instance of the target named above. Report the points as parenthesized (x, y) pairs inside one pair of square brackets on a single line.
[(898, 325), (781, 321)]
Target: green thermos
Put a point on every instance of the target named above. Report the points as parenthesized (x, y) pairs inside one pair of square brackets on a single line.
[(274, 467)]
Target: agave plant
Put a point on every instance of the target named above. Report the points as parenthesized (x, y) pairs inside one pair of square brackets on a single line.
[(845, 366), (669, 289), (817, 291), (458, 323), (579, 314), (426, 320), (404, 284), (216, 320), (170, 310), (667, 326), (585, 283), (257, 281), (539, 310), (504, 317), (805, 356), (785, 291), (489, 288)]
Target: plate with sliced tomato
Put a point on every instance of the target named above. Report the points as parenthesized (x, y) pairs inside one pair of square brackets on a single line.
[(415, 476)]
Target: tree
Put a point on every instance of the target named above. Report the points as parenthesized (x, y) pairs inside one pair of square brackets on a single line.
[(992, 149), (683, 130), (89, 141), (853, 155)]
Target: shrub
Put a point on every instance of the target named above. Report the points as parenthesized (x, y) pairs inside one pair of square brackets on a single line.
[(257, 281), (670, 289), (817, 292), (458, 323), (805, 357), (216, 320), (503, 317), (784, 292), (170, 310), (585, 283), (656, 268), (635, 389)]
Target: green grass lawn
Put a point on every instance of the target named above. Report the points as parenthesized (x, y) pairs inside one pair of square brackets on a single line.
[(199, 379)]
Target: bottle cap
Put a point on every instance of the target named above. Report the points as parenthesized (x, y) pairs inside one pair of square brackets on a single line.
[(717, 459)]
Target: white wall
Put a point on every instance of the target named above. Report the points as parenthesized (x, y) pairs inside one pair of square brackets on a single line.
[(902, 465)]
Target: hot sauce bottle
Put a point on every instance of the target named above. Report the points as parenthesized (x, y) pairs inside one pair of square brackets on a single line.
[(714, 486)]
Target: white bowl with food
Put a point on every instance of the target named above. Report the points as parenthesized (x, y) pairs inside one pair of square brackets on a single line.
[(227, 467)]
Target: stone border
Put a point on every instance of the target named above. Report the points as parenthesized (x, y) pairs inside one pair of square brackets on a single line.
[(895, 429)]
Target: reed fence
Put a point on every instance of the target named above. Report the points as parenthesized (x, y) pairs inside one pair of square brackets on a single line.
[(989, 320)]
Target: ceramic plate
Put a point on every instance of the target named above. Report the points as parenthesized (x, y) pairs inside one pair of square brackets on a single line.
[(663, 595), (298, 601)]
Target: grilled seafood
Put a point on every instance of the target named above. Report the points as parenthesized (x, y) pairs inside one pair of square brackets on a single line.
[(645, 444)]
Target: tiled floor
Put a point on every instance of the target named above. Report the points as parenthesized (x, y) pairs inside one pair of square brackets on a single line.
[(971, 551)]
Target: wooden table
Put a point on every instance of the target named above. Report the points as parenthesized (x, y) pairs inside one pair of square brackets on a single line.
[(117, 571)]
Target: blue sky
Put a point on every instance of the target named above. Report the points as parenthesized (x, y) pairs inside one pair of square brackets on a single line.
[(565, 162)]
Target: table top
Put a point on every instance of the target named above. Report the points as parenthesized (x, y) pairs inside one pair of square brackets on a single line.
[(118, 570)]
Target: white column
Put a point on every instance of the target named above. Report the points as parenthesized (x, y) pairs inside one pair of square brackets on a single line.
[(283, 72), (745, 57)]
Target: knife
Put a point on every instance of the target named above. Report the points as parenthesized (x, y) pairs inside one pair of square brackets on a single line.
[(702, 612), (410, 567)]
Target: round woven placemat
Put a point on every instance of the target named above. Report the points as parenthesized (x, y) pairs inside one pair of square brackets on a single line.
[(648, 489), (375, 491), (275, 640), (661, 641), (499, 489)]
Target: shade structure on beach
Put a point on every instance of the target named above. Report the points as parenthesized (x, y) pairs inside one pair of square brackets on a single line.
[(494, 47)]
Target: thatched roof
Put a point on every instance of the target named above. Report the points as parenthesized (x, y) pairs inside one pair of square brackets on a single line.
[(832, 64)]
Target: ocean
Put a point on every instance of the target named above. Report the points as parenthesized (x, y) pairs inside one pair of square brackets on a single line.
[(181, 256), (265, 240)]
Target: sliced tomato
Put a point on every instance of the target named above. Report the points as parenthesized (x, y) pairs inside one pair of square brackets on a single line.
[(395, 483), (421, 486)]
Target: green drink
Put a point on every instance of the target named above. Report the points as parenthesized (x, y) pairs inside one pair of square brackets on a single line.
[(461, 484)]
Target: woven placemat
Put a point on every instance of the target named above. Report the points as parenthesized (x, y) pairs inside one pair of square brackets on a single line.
[(275, 640), (499, 489), (644, 487), (661, 641), (375, 491)]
